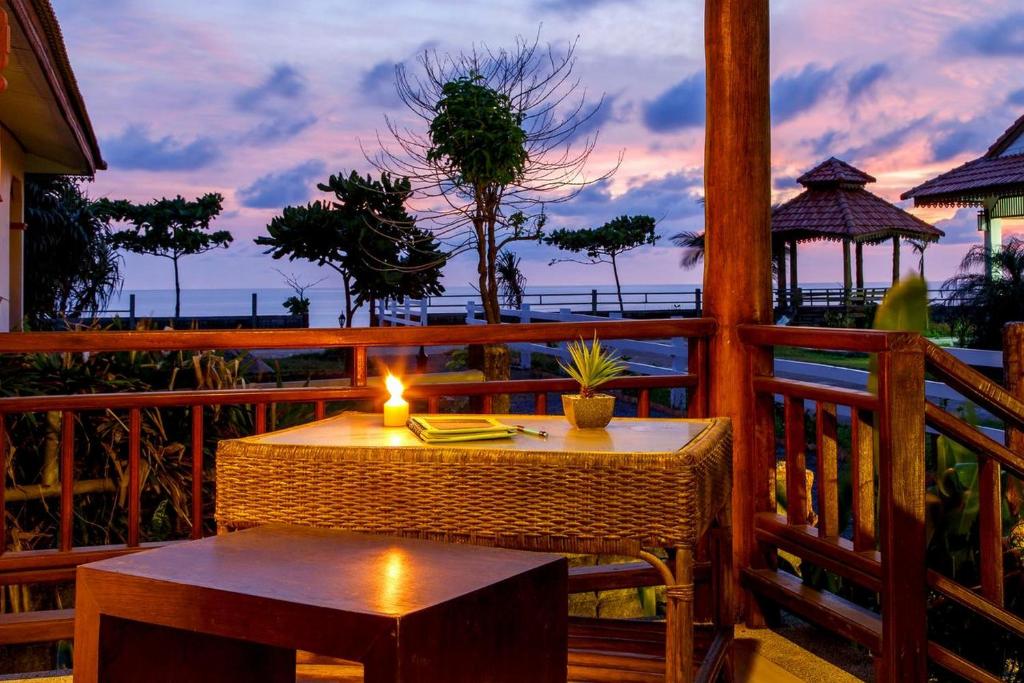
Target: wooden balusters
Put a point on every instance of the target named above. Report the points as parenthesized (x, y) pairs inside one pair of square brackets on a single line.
[(134, 483), (990, 528), (261, 417), (826, 428), (3, 483), (540, 403), (796, 462), (358, 370), (434, 404), (319, 410), (487, 404), (862, 479), (67, 479), (902, 510), (643, 403), (197, 471), (697, 364)]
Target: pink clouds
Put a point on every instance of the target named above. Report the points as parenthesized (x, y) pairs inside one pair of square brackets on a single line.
[(196, 97)]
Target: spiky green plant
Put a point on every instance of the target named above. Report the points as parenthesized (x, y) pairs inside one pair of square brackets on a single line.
[(592, 366)]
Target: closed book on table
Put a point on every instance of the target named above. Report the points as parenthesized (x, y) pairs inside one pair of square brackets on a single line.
[(449, 429)]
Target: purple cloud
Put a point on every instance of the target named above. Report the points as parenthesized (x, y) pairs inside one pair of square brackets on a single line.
[(134, 149), (991, 37), (284, 83), (591, 117), (679, 107), (961, 228), (574, 6), (377, 84), (1016, 98), (799, 91), (670, 198), (277, 190), (280, 128), (862, 82)]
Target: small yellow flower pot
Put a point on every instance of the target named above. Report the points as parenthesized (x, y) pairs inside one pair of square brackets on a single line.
[(588, 413)]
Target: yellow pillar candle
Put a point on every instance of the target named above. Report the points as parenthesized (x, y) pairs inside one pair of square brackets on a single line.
[(396, 410)]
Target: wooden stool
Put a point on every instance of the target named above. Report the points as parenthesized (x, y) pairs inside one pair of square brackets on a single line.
[(236, 607)]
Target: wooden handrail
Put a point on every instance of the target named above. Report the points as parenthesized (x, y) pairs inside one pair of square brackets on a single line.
[(826, 338), (975, 386), (816, 392), (201, 397), (976, 603), (960, 431), (439, 335)]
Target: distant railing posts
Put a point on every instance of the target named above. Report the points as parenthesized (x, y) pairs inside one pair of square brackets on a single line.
[(131, 312), (255, 309)]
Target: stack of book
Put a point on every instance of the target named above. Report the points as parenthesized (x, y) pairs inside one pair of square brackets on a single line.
[(434, 429)]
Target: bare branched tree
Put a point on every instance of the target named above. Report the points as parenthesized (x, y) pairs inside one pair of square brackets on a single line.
[(504, 132)]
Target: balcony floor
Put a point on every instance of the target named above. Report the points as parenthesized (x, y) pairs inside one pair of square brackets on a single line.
[(794, 653)]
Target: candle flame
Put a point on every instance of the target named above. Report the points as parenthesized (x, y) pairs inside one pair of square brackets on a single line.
[(394, 387)]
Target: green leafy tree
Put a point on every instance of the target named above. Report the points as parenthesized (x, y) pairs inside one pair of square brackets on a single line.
[(606, 243), (366, 236), (987, 303), (168, 228), (508, 131), (393, 258), (70, 264)]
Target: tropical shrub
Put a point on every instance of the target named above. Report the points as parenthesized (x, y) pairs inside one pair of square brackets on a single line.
[(987, 300)]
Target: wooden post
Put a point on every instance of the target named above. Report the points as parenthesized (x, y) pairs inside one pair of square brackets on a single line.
[(1013, 372), (895, 259), (737, 282), (780, 268), (794, 280), (847, 276), (860, 266), (902, 510)]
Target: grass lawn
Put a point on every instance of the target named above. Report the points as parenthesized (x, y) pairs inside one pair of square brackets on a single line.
[(857, 361)]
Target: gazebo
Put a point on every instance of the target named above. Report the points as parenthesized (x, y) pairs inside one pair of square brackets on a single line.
[(993, 182), (836, 206)]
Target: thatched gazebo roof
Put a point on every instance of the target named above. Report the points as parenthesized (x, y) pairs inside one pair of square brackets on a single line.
[(835, 206)]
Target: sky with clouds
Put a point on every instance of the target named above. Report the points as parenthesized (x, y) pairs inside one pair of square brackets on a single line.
[(260, 100)]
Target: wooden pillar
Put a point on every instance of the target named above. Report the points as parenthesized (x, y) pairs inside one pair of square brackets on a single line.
[(902, 484), (860, 265), (794, 281), (895, 259), (737, 281), (847, 276)]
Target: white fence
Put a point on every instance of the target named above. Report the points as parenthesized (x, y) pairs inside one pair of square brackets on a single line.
[(409, 312)]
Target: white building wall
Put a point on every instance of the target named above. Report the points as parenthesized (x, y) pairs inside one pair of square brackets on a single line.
[(12, 165)]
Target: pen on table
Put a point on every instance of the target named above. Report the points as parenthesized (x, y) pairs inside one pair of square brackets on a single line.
[(534, 432)]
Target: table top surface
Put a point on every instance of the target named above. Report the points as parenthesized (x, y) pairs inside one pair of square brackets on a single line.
[(349, 572), (623, 435)]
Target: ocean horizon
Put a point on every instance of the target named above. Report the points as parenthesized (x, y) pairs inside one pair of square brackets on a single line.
[(326, 303)]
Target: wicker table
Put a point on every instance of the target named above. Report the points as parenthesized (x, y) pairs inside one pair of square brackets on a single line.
[(639, 485)]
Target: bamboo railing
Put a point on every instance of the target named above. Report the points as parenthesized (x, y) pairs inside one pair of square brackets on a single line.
[(883, 555)]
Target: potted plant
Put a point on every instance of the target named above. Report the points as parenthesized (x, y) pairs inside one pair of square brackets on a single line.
[(591, 367)]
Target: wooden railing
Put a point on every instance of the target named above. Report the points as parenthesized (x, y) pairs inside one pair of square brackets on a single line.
[(58, 564), (883, 550)]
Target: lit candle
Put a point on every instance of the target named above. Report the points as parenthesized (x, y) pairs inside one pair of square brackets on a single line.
[(396, 410)]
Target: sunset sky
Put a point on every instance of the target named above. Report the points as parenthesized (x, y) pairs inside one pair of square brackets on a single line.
[(260, 99)]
